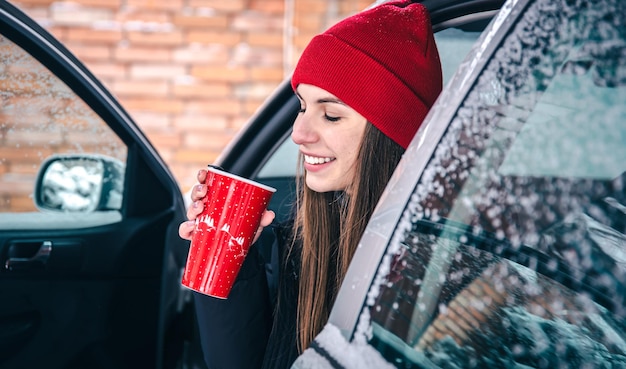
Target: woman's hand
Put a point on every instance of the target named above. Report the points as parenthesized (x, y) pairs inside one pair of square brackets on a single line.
[(185, 230)]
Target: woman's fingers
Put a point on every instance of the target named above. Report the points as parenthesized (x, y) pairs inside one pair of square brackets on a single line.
[(195, 209), (198, 192), (201, 176), (185, 230), (266, 219)]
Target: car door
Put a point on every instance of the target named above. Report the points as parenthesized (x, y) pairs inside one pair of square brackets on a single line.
[(500, 241), (90, 257)]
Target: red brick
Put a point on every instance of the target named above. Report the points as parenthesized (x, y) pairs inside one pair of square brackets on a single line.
[(268, 6), (309, 23), (157, 71), (25, 169), (253, 104), (167, 155), (24, 154), (35, 138), (142, 54), (226, 107), (165, 105), (201, 90), (95, 139), (164, 139), (40, 14), (251, 90), (220, 73), (212, 141), (151, 121), (238, 123), (60, 33), (111, 4), (201, 21), (156, 38), (301, 41), (155, 4), (351, 7), (185, 174), (200, 122), (202, 54), (266, 74), (140, 88), (133, 16), (311, 6), (228, 38), (257, 56), (254, 22), (93, 35), (72, 14), (23, 203), (196, 156), (271, 40), (107, 70), (90, 52), (21, 85), (219, 5), (26, 3)]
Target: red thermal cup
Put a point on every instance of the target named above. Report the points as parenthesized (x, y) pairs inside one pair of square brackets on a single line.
[(224, 232)]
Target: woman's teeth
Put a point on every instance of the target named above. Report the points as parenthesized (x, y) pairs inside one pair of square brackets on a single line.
[(316, 160)]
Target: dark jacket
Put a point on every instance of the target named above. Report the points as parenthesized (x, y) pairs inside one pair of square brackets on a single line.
[(255, 327)]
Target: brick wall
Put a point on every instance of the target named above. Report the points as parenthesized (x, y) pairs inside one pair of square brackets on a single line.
[(190, 72)]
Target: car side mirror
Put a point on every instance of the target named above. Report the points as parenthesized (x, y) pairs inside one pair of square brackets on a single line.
[(79, 183)]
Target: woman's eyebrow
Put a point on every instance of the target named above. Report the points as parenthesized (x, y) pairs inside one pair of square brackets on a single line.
[(324, 100), (330, 100)]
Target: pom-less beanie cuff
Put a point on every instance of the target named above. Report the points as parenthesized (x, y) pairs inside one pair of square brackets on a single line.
[(393, 96)]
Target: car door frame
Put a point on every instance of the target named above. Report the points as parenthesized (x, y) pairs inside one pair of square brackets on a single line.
[(379, 233), (147, 177)]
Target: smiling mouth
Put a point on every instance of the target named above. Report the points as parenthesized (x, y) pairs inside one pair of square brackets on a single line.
[(315, 160)]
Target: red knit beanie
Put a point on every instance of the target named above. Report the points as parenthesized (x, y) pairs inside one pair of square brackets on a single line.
[(382, 62)]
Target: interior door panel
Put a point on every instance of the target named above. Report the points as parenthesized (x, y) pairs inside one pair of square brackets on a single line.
[(98, 289)]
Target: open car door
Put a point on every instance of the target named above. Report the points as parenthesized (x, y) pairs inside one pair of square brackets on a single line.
[(90, 257)]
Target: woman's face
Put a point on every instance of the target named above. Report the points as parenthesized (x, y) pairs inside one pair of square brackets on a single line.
[(329, 134)]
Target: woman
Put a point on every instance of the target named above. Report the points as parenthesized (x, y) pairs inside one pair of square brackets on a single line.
[(364, 86)]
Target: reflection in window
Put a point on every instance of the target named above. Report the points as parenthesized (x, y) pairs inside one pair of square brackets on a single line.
[(512, 251), (40, 116), (490, 310)]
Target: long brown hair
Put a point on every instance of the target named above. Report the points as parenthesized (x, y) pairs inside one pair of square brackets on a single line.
[(329, 226)]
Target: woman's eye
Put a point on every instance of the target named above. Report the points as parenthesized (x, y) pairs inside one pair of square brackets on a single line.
[(331, 119), (301, 111)]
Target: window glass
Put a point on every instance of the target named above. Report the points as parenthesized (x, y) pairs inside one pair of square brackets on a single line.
[(42, 118), (511, 251), (454, 43)]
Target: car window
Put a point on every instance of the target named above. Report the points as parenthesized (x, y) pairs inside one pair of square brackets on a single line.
[(44, 125), (511, 251)]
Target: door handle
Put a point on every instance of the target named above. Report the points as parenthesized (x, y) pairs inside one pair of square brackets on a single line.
[(21, 255)]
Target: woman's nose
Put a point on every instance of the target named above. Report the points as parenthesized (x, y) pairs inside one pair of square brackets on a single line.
[(303, 132)]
